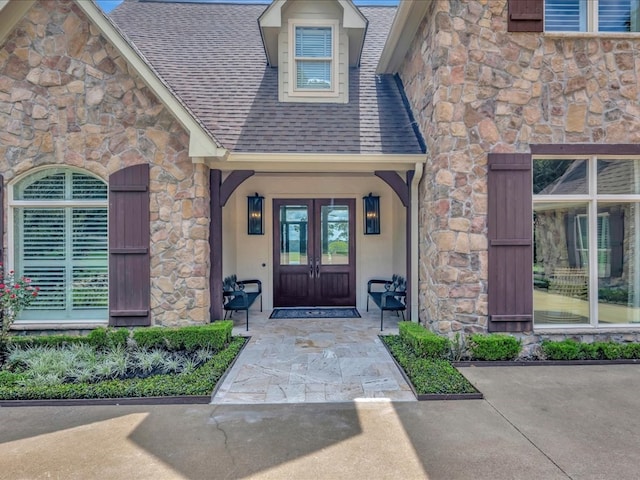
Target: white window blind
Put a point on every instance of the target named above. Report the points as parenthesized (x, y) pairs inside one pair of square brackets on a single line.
[(565, 15), (313, 57), (61, 244), (605, 15)]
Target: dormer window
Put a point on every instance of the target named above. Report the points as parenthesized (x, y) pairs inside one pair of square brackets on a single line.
[(313, 57)]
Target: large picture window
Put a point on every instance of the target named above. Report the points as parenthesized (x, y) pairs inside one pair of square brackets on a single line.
[(60, 242), (586, 217), (592, 15)]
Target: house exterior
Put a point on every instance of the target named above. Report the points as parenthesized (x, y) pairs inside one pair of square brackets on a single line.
[(133, 145)]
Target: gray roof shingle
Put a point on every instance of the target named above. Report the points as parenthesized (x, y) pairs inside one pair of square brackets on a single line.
[(212, 57)]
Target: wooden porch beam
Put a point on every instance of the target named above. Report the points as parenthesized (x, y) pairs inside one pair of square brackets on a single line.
[(233, 181), (397, 184)]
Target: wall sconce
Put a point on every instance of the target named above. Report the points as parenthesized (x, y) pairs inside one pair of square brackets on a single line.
[(254, 215), (371, 215)]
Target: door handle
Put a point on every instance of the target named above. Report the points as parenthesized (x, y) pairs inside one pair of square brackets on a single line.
[(318, 268), (311, 268)]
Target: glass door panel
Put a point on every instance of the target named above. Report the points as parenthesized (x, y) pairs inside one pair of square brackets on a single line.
[(335, 234), (294, 241)]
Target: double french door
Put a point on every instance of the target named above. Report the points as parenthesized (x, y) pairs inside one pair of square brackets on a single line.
[(314, 252)]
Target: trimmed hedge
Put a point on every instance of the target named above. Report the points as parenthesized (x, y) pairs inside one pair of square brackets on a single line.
[(190, 339), (428, 375), (424, 343), (494, 347), (200, 382), (215, 336), (573, 350)]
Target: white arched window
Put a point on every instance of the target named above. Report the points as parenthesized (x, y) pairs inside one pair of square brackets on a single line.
[(60, 242)]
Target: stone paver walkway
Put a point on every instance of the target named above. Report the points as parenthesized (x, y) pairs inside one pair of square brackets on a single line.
[(313, 360)]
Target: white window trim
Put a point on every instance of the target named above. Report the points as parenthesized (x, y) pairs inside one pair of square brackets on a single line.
[(592, 198), (11, 205), (592, 25), (334, 91)]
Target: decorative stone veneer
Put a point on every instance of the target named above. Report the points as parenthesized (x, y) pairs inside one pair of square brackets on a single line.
[(68, 98), (475, 88)]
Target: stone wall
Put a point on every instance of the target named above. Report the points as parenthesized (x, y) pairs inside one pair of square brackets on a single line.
[(475, 88), (68, 98)]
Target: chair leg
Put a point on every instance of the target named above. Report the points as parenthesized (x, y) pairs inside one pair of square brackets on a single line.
[(381, 319), (367, 303), (247, 310)]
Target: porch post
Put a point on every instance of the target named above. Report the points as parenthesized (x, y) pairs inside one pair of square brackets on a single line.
[(409, 246), (215, 246)]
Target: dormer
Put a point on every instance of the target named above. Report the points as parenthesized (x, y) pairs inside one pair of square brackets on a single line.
[(313, 43)]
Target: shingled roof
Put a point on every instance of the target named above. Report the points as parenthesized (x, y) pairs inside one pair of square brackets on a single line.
[(212, 56)]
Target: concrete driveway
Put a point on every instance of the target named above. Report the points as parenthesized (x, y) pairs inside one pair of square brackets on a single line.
[(535, 423)]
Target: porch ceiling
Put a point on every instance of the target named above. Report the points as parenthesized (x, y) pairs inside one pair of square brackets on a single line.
[(317, 163)]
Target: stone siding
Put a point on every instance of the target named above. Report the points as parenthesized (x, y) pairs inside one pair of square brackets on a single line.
[(68, 98), (475, 88)]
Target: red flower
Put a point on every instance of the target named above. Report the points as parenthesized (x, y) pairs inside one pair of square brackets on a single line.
[(16, 285), (13, 295), (34, 294), (2, 285)]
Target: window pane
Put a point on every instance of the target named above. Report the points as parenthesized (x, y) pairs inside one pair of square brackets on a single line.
[(619, 284), (561, 269), (335, 235), (618, 15), (565, 15), (86, 187), (313, 74), (44, 186), (560, 177), (294, 231), (618, 177), (313, 42)]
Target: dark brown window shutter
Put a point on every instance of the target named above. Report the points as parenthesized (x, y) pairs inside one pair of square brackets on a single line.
[(526, 15), (129, 234), (509, 223)]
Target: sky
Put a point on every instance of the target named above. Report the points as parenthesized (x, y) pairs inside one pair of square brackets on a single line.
[(108, 5)]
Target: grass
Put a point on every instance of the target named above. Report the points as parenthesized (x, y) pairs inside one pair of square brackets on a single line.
[(428, 375)]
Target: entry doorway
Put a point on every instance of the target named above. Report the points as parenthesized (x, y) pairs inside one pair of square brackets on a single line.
[(314, 252)]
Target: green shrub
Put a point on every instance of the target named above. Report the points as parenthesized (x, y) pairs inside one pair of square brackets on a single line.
[(108, 337), (630, 350), (494, 347), (428, 375), (214, 336), (26, 341), (572, 350), (564, 350), (424, 343)]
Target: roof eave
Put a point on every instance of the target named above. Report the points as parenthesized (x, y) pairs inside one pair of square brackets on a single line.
[(405, 24), (318, 162)]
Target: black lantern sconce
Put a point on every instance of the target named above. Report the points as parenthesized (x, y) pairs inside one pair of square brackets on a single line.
[(255, 224), (371, 215)]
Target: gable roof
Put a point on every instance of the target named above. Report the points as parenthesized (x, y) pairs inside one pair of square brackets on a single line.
[(201, 142), (212, 56)]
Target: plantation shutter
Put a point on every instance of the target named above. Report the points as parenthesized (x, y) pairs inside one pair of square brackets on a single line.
[(616, 230), (129, 238), (510, 267), (525, 15)]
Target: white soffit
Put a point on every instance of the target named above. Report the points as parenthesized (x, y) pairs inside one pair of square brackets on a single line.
[(317, 162)]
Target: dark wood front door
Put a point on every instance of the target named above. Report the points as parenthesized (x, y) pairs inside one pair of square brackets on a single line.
[(314, 252)]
